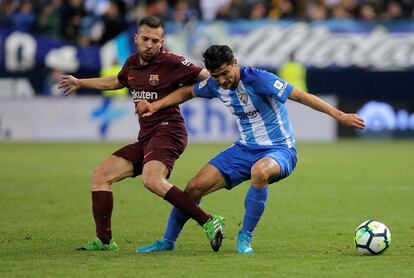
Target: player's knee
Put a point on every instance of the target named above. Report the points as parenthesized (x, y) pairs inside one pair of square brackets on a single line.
[(157, 186), (150, 182), (259, 177), (95, 176), (147, 182), (195, 189), (99, 180)]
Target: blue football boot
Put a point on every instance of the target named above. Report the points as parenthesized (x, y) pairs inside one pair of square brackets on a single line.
[(157, 246), (244, 240)]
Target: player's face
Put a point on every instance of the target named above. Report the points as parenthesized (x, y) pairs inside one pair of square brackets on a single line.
[(227, 76), (149, 42)]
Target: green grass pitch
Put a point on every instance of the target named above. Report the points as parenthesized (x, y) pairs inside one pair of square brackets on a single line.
[(306, 231)]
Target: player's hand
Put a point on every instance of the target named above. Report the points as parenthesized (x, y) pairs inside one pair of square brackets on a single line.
[(351, 120), (69, 84), (141, 107), (151, 109)]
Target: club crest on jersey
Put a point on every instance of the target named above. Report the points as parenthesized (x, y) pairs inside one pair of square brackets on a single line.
[(154, 79), (186, 62), (244, 98)]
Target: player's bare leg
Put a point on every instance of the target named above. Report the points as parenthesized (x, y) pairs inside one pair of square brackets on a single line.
[(154, 179), (110, 170), (262, 172), (207, 180)]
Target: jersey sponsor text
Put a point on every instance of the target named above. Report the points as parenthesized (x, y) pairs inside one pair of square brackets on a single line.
[(246, 115), (143, 95)]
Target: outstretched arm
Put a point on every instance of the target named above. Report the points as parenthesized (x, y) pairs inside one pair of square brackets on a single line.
[(70, 84), (178, 96), (348, 120)]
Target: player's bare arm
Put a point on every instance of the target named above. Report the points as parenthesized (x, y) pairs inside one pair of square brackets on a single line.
[(146, 109), (177, 97), (70, 84), (203, 75), (314, 102)]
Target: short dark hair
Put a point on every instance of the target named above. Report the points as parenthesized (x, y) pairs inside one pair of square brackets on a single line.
[(217, 55), (151, 21)]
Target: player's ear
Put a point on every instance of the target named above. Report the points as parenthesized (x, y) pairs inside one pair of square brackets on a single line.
[(136, 38), (234, 62)]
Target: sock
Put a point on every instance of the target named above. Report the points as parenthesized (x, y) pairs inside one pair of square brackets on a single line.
[(254, 205), (183, 202), (175, 224), (102, 204)]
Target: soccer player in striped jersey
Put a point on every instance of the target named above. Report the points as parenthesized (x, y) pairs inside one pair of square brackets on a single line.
[(265, 152)]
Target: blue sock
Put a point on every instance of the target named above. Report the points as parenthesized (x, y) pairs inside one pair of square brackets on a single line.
[(176, 223), (254, 205)]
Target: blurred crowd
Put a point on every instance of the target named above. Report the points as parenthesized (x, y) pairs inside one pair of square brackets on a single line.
[(97, 21)]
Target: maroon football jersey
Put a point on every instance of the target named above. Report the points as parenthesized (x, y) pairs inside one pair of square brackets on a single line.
[(153, 81)]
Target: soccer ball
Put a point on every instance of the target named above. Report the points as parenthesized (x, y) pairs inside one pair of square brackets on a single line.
[(372, 238)]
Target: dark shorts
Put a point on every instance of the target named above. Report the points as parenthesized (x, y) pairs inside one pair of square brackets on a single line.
[(166, 144)]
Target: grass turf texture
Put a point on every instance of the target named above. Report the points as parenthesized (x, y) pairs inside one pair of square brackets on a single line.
[(307, 228)]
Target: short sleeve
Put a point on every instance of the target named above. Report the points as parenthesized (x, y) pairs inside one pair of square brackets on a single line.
[(123, 74), (269, 84), (205, 89), (184, 70)]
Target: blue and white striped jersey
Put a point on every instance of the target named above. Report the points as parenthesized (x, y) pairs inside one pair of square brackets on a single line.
[(258, 106)]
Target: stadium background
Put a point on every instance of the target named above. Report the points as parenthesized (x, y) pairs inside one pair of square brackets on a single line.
[(356, 54)]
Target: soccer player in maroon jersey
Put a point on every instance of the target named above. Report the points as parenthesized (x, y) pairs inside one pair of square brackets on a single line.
[(150, 75)]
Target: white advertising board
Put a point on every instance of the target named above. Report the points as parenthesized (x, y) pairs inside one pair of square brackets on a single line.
[(92, 118)]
